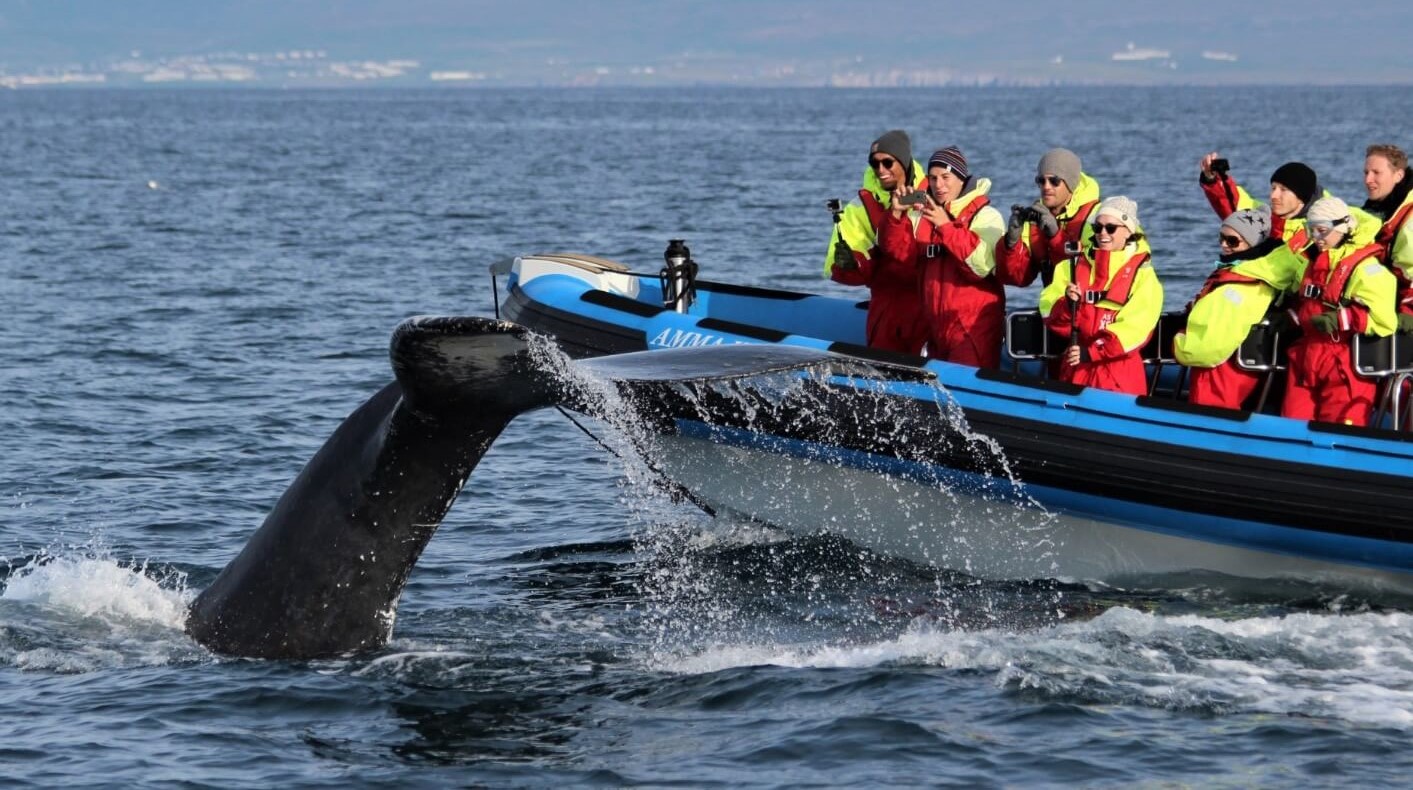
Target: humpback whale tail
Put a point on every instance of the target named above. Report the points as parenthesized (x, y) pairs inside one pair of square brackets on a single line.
[(323, 573)]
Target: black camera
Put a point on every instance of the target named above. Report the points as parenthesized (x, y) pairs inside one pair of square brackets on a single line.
[(834, 205), (1221, 166)]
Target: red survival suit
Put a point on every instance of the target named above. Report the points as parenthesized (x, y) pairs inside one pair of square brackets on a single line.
[(895, 319), (1321, 383), (964, 303), (1121, 304)]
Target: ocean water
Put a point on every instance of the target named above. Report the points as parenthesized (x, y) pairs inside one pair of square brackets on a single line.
[(197, 286)]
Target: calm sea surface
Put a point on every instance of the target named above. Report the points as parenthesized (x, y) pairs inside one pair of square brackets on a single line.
[(196, 287)]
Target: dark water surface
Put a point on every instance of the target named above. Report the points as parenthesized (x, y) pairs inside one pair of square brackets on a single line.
[(198, 286)]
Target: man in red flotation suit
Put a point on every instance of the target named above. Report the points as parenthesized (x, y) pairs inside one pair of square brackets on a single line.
[(950, 242), (1036, 235), (895, 318)]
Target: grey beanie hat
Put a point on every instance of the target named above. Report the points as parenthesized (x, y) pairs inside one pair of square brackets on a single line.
[(1061, 162), (896, 144), (1121, 208), (1250, 224)]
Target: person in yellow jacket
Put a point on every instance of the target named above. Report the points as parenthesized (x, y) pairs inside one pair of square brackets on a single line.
[(1253, 268), (895, 321), (1389, 182), (1343, 290), (1106, 303)]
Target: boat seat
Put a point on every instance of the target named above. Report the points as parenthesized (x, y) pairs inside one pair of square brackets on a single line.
[(1389, 359), (1027, 337)]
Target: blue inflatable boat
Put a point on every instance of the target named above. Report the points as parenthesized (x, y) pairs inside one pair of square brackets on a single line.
[(1000, 474)]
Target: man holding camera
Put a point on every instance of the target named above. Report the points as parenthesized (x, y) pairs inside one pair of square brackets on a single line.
[(1294, 187), (1037, 234), (895, 319)]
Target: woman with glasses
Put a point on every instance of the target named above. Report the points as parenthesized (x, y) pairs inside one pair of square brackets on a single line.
[(895, 321), (1253, 268), (1344, 290), (1036, 234), (1106, 302)]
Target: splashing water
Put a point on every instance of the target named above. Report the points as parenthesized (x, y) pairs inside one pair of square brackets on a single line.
[(693, 592), (84, 612), (1351, 668)]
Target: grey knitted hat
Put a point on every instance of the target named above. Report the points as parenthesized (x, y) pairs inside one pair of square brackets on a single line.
[(1253, 225), (1121, 208), (1063, 163)]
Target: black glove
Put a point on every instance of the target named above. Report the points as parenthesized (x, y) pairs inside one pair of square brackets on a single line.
[(1326, 322), (1405, 324), (844, 257), (1045, 219), (1016, 225)]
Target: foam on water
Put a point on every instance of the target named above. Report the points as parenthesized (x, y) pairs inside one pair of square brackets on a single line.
[(85, 612), (1356, 668)]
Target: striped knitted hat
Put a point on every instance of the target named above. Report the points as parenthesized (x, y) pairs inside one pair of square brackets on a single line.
[(950, 158)]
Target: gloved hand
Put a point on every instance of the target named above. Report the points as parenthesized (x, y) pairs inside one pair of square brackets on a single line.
[(1405, 324), (844, 257), (1045, 219), (1016, 225), (1325, 322)]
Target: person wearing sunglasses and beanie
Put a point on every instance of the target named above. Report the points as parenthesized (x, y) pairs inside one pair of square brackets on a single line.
[(948, 239), (1389, 181), (1294, 186), (1106, 303), (1252, 269), (1343, 290), (1036, 234), (895, 319)]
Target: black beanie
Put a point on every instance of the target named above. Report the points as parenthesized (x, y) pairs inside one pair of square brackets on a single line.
[(1298, 178), (895, 144)]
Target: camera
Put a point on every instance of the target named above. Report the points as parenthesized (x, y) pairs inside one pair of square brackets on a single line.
[(834, 205), (913, 198), (1221, 166)]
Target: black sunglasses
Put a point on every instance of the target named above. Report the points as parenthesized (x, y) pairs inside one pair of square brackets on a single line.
[(1230, 241), (1108, 227), (1054, 180), (884, 162)]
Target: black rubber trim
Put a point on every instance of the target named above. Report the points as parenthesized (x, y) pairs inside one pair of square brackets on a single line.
[(1034, 382), (744, 330), (749, 290), (578, 335), (879, 354), (621, 303), (1168, 404)]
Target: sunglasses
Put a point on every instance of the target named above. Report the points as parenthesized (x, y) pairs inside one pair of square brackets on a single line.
[(1106, 227), (1320, 231), (1054, 180), (1229, 241), (884, 162)]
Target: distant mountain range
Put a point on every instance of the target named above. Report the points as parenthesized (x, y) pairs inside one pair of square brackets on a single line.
[(673, 42)]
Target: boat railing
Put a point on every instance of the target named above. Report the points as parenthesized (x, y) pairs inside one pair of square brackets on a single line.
[(1389, 359)]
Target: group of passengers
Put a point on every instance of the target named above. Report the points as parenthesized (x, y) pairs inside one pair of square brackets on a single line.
[(936, 255)]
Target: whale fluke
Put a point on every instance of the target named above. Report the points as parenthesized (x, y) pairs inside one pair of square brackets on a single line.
[(323, 573)]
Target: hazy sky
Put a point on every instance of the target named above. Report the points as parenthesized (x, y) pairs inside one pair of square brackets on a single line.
[(787, 40)]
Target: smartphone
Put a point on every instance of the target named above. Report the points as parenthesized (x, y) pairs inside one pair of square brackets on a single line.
[(913, 198)]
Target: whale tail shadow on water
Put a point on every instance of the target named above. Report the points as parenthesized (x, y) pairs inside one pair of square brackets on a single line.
[(323, 574)]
